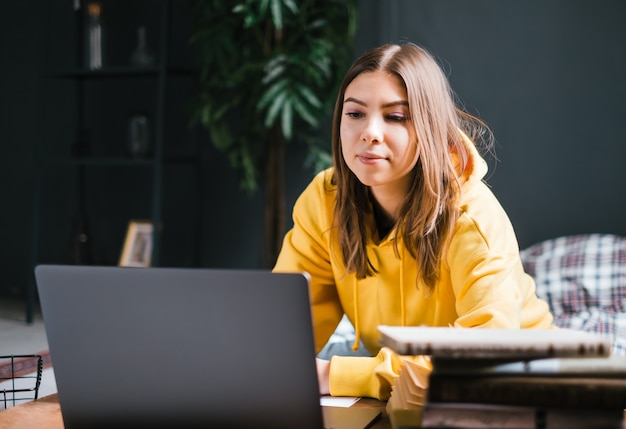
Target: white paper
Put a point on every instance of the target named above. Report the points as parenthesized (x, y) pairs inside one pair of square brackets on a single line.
[(338, 401)]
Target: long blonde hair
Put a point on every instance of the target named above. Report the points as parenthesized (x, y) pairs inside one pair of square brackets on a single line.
[(430, 209)]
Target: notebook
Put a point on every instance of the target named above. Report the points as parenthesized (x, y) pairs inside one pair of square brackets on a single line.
[(493, 343), (176, 347)]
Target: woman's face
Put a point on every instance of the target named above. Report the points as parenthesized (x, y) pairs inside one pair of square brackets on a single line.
[(377, 137)]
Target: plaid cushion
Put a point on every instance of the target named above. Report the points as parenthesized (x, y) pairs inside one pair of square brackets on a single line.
[(583, 279)]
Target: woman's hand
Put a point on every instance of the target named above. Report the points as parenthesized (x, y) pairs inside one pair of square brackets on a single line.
[(323, 375)]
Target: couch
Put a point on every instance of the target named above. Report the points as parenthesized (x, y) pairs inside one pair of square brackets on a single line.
[(583, 279)]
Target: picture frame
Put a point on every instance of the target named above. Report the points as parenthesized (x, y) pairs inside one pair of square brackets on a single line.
[(137, 250)]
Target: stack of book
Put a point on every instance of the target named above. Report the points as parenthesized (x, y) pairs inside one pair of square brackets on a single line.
[(503, 378)]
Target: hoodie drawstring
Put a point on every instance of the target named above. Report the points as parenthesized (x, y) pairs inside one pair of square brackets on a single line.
[(357, 332), (402, 309)]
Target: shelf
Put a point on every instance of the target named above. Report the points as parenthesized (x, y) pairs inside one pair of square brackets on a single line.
[(101, 100), (109, 161), (116, 161), (116, 72)]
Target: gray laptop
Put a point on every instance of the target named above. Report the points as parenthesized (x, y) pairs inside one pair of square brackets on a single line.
[(178, 348)]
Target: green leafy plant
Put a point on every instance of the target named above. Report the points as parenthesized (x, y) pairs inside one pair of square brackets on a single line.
[(269, 71)]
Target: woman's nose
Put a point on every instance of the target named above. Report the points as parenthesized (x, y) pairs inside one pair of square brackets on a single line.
[(373, 131)]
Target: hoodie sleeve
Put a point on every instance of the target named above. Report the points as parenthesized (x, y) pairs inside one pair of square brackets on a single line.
[(370, 377), (305, 249)]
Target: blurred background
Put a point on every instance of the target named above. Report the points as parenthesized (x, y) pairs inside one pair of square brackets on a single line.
[(548, 76)]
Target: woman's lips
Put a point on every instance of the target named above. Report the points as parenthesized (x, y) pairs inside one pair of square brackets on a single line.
[(370, 158)]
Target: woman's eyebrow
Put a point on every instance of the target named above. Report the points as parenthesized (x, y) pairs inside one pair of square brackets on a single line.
[(390, 104), (397, 103), (354, 100)]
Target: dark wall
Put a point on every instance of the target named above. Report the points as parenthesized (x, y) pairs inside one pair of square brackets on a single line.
[(20, 50), (547, 75)]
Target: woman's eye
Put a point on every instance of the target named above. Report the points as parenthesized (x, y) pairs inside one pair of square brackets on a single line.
[(354, 115), (397, 118)]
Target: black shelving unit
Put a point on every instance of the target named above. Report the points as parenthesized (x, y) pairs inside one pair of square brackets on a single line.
[(158, 75)]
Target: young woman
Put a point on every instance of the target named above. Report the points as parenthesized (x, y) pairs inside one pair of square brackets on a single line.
[(402, 230)]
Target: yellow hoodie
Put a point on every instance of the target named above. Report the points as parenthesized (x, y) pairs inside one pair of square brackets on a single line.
[(481, 284)]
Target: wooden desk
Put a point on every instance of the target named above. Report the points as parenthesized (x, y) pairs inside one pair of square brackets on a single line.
[(45, 413), (383, 421)]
